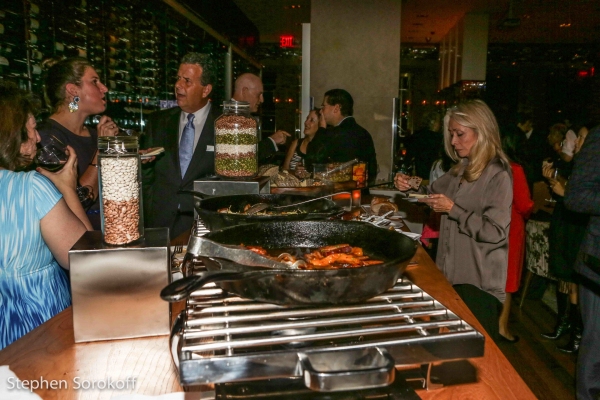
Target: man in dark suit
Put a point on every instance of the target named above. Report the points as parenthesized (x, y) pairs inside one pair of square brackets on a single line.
[(535, 148), (427, 144), (339, 138), (187, 134), (583, 195), (249, 88)]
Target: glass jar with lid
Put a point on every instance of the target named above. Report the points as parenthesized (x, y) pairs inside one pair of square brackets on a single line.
[(120, 187), (236, 142)]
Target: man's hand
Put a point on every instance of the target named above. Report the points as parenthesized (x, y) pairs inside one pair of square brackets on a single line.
[(280, 137), (147, 160)]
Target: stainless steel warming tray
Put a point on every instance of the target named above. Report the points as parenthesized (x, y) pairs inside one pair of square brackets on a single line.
[(221, 338)]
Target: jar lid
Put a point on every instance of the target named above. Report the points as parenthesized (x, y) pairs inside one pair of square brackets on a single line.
[(107, 143), (236, 105)]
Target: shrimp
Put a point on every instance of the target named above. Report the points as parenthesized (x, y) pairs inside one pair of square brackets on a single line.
[(257, 249), (340, 258)]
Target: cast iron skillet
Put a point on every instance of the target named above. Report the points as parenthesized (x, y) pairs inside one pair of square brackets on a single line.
[(303, 287), (207, 209)]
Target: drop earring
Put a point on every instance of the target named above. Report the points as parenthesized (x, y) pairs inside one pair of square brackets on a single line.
[(73, 105)]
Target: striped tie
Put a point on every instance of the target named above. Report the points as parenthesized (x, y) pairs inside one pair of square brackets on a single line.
[(186, 145)]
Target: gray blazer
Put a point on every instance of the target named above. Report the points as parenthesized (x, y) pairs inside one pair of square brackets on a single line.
[(473, 244)]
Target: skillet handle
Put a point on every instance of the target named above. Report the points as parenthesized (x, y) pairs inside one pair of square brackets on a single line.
[(183, 288), (195, 193)]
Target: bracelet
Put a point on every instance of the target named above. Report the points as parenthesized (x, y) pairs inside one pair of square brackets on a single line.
[(94, 165)]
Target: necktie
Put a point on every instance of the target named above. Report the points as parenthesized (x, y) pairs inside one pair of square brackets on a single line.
[(186, 145)]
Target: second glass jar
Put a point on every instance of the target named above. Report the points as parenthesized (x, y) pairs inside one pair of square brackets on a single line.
[(236, 142)]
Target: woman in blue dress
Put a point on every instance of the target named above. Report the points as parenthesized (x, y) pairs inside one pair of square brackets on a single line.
[(40, 220)]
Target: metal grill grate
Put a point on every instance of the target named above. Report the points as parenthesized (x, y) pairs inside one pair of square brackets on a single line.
[(229, 339)]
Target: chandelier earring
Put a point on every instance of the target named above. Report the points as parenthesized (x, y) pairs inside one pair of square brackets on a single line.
[(74, 105)]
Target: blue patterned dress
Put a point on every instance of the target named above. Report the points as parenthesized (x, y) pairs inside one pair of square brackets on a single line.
[(33, 287)]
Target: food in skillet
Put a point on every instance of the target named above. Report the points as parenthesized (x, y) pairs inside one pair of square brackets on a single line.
[(328, 257), (291, 211)]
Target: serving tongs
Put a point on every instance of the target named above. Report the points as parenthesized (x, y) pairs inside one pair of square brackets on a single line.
[(341, 167), (258, 207), (200, 246)]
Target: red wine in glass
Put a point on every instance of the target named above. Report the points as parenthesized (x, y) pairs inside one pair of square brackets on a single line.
[(52, 155), (51, 166)]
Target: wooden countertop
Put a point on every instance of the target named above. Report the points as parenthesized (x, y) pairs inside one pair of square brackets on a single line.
[(49, 351)]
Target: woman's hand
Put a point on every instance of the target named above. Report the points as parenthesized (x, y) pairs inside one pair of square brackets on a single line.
[(64, 179), (548, 171), (557, 186), (438, 203), (401, 182), (107, 127)]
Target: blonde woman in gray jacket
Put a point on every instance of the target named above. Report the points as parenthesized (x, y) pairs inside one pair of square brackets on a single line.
[(475, 197)]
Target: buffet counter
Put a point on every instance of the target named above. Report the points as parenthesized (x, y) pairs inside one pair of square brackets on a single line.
[(49, 357)]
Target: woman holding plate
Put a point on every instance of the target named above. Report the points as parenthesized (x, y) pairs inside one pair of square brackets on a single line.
[(475, 198)]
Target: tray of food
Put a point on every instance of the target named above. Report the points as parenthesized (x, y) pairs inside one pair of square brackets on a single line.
[(284, 182)]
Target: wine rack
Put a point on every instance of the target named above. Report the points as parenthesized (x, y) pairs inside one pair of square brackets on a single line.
[(135, 46)]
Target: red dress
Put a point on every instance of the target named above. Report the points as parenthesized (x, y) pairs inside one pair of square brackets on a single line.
[(522, 205)]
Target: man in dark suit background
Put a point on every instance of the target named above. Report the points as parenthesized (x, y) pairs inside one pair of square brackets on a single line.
[(535, 148), (583, 195), (339, 138), (249, 88), (187, 134)]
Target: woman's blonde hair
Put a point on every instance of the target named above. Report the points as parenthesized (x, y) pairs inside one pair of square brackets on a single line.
[(475, 114)]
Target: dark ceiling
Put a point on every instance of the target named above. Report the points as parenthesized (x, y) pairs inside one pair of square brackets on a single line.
[(428, 21)]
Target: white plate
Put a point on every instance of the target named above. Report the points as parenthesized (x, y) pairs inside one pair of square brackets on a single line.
[(153, 153)]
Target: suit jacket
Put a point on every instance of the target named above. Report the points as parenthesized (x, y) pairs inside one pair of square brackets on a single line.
[(163, 206), (266, 150), (342, 143), (583, 195), (535, 150)]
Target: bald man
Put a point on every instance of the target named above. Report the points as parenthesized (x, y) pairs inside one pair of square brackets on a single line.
[(249, 88)]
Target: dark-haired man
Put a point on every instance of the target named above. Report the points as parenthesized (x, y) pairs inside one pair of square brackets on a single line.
[(339, 138), (535, 148), (249, 88), (187, 134)]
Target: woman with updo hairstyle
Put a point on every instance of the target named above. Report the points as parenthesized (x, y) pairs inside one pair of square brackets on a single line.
[(41, 218), (475, 198), (74, 92)]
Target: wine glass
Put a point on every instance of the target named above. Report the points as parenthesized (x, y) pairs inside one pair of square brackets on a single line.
[(52, 156)]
